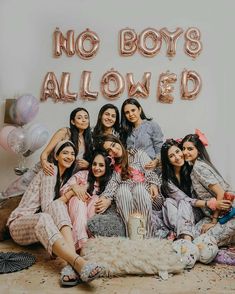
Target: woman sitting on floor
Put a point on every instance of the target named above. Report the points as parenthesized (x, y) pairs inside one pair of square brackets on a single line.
[(42, 216), (133, 188), (82, 192)]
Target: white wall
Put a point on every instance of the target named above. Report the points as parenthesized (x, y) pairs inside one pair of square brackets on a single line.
[(26, 32)]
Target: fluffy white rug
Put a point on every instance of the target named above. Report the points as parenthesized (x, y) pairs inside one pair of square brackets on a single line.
[(122, 256)]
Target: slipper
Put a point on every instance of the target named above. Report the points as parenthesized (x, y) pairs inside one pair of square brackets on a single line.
[(66, 272), (86, 272)]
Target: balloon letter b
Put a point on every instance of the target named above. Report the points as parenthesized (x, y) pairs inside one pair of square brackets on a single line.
[(128, 42)]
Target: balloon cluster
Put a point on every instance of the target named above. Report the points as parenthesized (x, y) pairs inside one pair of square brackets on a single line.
[(19, 140)]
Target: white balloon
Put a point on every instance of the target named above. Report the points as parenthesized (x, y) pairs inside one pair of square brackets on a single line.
[(24, 109), (17, 140), (36, 136)]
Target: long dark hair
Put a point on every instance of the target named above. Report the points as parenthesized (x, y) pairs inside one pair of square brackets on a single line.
[(168, 172), (103, 181), (62, 180), (87, 134), (202, 152), (126, 125), (123, 161), (99, 127)]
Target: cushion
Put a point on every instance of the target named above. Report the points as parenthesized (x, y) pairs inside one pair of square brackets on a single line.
[(107, 224), (122, 256), (207, 246), (187, 251), (6, 207)]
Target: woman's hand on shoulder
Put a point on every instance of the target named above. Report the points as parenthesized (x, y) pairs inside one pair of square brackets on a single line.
[(83, 164), (48, 168), (102, 204)]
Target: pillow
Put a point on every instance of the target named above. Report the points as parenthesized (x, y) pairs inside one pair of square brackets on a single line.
[(107, 224), (122, 256), (207, 246), (187, 251), (6, 207)]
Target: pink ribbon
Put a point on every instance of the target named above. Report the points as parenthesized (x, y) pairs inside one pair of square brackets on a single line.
[(202, 137), (178, 140)]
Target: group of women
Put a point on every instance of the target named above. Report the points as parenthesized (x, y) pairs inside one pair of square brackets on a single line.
[(83, 171)]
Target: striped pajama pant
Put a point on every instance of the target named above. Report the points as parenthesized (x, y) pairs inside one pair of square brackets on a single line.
[(43, 227), (132, 198)]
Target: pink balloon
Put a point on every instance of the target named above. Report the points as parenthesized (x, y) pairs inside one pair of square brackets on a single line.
[(24, 109), (4, 133)]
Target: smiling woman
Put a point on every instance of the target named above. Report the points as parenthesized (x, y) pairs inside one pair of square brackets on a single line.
[(140, 132), (107, 122), (83, 195), (132, 187), (42, 216), (79, 133)]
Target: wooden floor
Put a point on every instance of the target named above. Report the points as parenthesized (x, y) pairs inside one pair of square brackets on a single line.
[(43, 277)]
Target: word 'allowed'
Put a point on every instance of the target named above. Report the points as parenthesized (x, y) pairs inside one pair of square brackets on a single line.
[(113, 84)]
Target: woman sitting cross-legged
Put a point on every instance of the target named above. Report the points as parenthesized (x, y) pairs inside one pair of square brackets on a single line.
[(178, 212), (133, 188), (82, 192), (181, 209), (210, 188), (42, 216)]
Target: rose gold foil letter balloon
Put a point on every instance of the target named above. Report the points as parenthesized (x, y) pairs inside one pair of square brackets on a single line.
[(82, 50), (50, 87), (138, 89), (170, 39), (165, 87), (64, 88), (194, 78), (127, 42), (193, 44), (61, 43), (156, 38), (116, 78), (85, 92)]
